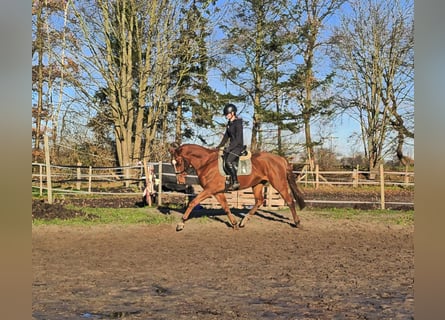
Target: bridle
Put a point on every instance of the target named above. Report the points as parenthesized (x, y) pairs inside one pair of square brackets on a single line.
[(186, 165)]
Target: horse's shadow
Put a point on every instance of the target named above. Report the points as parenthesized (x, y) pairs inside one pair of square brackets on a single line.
[(219, 214), (273, 216)]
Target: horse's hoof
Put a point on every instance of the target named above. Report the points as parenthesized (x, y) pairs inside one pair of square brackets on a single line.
[(180, 226), (297, 224), (243, 221)]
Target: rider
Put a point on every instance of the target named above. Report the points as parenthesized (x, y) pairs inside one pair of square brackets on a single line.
[(233, 134)]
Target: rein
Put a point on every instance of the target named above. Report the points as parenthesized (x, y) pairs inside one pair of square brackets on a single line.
[(186, 165)]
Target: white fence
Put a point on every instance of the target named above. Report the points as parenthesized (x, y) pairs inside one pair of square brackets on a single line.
[(356, 177), (131, 181)]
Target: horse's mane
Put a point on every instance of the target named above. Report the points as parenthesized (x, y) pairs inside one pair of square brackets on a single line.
[(193, 145), (198, 150)]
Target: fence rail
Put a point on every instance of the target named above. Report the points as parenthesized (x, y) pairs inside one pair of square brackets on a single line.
[(131, 180)]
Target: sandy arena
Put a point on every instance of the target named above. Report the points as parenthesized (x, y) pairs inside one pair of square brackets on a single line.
[(327, 269)]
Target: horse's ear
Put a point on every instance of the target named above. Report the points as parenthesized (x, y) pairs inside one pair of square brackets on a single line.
[(173, 147)]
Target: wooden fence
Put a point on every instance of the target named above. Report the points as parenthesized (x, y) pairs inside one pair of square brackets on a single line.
[(131, 181), (243, 199)]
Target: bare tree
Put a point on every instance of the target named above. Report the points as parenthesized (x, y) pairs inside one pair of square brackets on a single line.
[(130, 48), (305, 82), (53, 70), (374, 51), (145, 53)]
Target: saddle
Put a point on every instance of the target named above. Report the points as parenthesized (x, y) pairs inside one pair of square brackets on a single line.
[(244, 163)]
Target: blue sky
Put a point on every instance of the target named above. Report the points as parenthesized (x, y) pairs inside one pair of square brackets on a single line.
[(340, 130), (344, 131)]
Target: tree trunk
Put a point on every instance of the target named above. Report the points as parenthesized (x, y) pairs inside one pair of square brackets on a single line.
[(178, 130), (307, 104), (40, 50)]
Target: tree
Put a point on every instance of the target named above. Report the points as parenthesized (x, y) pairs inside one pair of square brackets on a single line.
[(282, 52), (250, 49), (190, 72), (326, 159), (310, 90), (376, 60), (53, 70), (130, 52), (151, 60), (274, 45)]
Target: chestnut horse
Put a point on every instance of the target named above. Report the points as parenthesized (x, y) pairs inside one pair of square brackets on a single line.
[(266, 167)]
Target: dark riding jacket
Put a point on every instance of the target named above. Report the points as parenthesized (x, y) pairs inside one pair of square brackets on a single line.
[(234, 133)]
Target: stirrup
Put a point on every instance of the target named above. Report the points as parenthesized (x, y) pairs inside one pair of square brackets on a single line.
[(235, 186)]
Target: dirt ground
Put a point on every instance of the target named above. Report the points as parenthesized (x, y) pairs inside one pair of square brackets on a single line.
[(327, 269)]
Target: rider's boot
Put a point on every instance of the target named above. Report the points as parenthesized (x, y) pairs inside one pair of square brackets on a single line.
[(228, 185), (232, 171), (228, 182)]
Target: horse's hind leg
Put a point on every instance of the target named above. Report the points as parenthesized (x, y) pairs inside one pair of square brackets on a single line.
[(259, 198), (291, 205), (288, 198)]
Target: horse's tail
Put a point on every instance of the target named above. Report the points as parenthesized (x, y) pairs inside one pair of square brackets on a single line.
[(298, 195)]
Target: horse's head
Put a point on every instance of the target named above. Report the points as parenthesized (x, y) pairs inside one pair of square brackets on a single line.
[(189, 156), (180, 164)]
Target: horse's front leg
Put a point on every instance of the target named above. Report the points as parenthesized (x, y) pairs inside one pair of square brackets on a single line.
[(201, 196), (259, 199), (223, 201)]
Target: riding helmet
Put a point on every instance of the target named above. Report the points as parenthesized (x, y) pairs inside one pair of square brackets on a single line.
[(229, 108)]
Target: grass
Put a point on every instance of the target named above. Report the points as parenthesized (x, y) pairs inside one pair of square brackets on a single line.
[(152, 216), (120, 216), (397, 217)]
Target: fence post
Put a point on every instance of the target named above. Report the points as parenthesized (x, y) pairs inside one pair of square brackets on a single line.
[(382, 187), (406, 180), (41, 179), (147, 184), (317, 176), (79, 176), (48, 169), (354, 178), (160, 184), (90, 172), (127, 175)]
